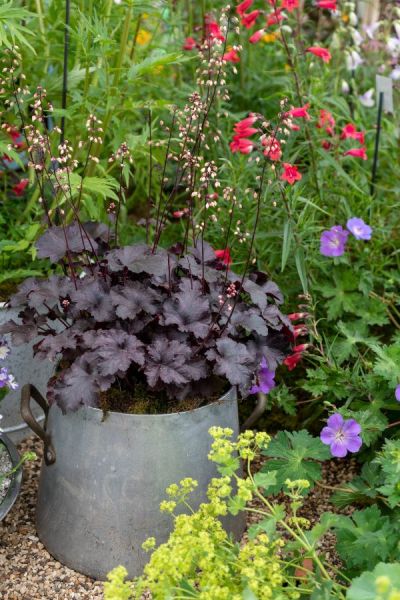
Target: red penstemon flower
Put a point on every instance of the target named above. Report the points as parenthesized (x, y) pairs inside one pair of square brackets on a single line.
[(19, 187), (320, 52), (224, 256), (290, 173), (275, 17), (243, 129), (298, 315), (256, 37), (242, 145), (290, 5), (249, 19), (357, 153), (299, 330), (243, 6), (16, 137), (189, 44), (327, 4), (272, 146), (299, 112), (213, 30), (293, 360), (231, 56), (349, 131), (326, 121)]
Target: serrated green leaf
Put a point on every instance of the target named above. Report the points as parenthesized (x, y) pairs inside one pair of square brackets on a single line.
[(364, 587), (365, 537), (265, 479), (294, 456)]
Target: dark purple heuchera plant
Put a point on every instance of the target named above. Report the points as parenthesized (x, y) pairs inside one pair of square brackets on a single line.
[(160, 317), (177, 321)]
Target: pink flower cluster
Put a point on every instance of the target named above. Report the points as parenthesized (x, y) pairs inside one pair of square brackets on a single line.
[(326, 122), (270, 145)]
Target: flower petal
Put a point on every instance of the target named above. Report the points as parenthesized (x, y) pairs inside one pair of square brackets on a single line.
[(335, 421), (338, 449), (351, 427), (327, 435), (353, 443)]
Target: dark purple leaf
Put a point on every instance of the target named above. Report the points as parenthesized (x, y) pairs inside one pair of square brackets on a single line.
[(249, 319), (57, 241), (93, 296), (205, 252), (113, 350), (259, 293), (273, 348), (48, 292), (233, 361), (189, 309), (20, 334), (52, 345), (139, 259), (133, 298), (76, 387), (169, 361)]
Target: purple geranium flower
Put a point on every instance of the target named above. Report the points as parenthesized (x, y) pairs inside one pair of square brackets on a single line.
[(333, 241), (397, 393), (3, 377), (7, 380), (265, 379), (359, 229), (342, 436)]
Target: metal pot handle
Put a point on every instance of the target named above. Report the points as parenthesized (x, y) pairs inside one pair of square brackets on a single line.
[(29, 391)]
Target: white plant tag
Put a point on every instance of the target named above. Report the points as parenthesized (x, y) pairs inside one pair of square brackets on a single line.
[(384, 85)]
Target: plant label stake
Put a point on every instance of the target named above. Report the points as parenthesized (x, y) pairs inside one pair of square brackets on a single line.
[(384, 91)]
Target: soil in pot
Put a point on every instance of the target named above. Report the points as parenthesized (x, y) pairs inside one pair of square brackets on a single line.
[(5, 467), (7, 289), (144, 402)]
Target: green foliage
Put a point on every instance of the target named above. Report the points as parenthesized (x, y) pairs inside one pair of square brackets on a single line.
[(116, 588), (379, 480), (381, 583), (199, 560), (295, 455), (13, 29), (365, 538)]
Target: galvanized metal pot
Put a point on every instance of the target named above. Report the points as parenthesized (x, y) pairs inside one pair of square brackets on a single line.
[(100, 491), (16, 479), (26, 369)]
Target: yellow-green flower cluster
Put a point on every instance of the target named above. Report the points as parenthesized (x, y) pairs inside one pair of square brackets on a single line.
[(384, 589)]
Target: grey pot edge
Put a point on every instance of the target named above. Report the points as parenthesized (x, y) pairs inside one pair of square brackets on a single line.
[(16, 481)]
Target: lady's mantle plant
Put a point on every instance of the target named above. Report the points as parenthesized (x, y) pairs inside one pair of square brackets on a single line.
[(176, 322)]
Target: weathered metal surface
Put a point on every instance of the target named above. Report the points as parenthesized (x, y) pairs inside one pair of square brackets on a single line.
[(16, 478), (26, 369), (100, 500)]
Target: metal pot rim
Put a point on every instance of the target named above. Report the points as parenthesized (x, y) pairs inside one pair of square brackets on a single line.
[(229, 396), (16, 479)]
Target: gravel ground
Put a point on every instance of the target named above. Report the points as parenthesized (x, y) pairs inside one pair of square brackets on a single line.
[(28, 572), (5, 467)]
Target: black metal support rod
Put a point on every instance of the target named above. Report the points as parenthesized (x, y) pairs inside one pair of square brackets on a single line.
[(376, 150), (65, 68)]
